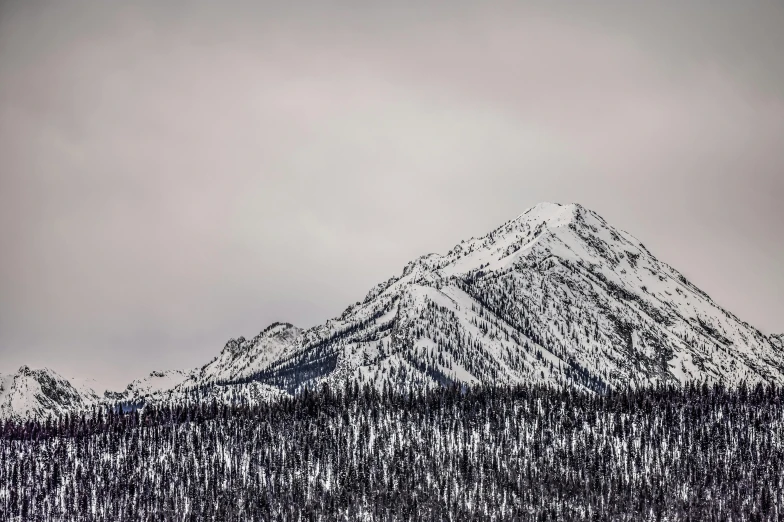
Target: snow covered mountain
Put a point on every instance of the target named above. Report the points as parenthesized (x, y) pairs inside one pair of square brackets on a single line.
[(37, 393), (556, 295), (242, 358)]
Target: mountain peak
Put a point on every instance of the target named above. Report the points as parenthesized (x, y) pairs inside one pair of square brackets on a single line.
[(276, 328), (544, 206), (38, 373), (37, 393), (548, 211)]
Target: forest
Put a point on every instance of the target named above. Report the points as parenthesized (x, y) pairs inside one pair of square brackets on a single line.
[(527, 453)]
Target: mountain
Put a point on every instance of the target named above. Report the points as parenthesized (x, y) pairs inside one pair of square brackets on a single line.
[(556, 295), (778, 340), (225, 378), (38, 393)]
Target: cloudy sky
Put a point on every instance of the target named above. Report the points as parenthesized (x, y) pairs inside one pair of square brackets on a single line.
[(174, 174)]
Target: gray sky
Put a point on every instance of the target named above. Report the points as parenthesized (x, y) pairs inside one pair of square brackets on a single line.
[(174, 174)]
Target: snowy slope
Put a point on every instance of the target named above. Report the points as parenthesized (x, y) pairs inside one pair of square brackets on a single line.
[(38, 393)]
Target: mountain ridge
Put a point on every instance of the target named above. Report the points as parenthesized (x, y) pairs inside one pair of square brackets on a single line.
[(556, 295)]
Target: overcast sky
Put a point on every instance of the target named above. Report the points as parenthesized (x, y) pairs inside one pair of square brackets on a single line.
[(175, 174)]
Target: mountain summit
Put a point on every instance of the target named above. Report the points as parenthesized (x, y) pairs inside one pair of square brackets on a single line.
[(37, 393), (556, 295)]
